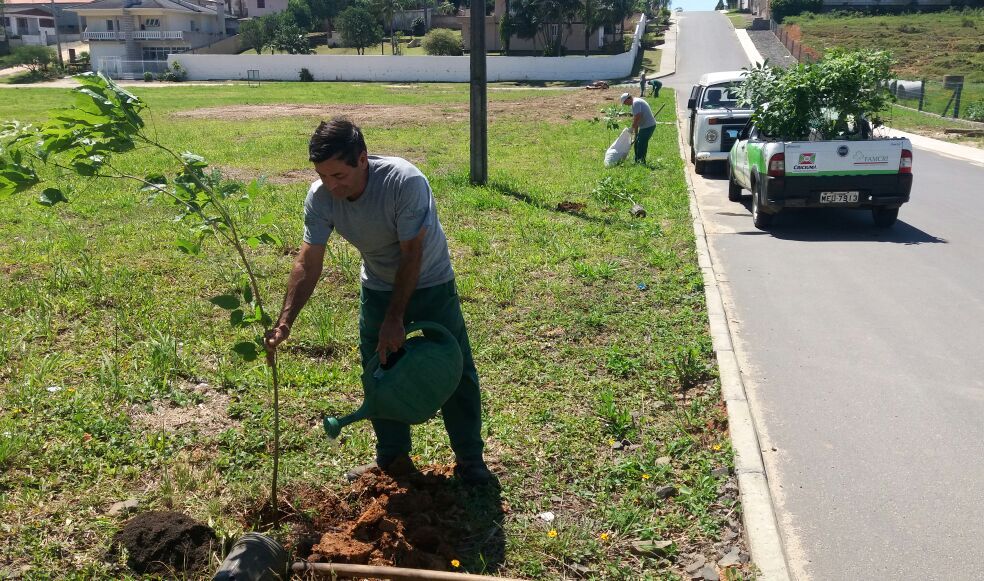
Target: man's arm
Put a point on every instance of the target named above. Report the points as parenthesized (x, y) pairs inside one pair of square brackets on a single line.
[(300, 286), (636, 120), (391, 333)]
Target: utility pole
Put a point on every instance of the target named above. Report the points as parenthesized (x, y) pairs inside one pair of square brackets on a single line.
[(54, 16), (479, 97)]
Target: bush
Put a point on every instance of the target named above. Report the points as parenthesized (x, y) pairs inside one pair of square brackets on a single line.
[(418, 27), (148, 76), (35, 58), (306, 76), (784, 8), (174, 73), (975, 112), (442, 42)]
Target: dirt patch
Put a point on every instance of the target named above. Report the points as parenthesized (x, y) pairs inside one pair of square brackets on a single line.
[(164, 543), (553, 106), (425, 519), (571, 207), (208, 417)]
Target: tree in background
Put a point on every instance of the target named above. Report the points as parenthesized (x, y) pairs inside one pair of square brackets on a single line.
[(291, 39), (547, 20), (592, 17), (387, 11), (506, 31), (270, 22), (359, 28), (446, 8), (442, 42), (253, 35), (299, 11)]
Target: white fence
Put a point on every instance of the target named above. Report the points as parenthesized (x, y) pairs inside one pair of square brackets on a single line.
[(409, 68), (117, 68)]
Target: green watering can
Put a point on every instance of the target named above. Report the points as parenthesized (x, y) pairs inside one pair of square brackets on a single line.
[(414, 383)]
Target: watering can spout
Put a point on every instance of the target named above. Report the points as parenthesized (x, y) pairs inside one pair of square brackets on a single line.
[(333, 426), (413, 385)]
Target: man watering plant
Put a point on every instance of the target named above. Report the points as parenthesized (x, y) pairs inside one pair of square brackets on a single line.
[(385, 208)]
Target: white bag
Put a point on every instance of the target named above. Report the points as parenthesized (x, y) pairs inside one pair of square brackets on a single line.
[(619, 149)]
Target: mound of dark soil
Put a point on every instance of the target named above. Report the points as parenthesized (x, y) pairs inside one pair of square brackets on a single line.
[(423, 520), (164, 542)]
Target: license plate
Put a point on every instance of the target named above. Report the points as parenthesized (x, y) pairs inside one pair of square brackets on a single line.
[(838, 197)]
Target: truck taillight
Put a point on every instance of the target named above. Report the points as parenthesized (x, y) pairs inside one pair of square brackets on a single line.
[(905, 164), (777, 165)]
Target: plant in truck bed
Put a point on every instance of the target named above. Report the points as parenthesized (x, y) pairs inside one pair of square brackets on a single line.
[(819, 100)]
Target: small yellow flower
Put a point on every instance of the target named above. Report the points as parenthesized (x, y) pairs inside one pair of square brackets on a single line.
[(552, 533), (716, 447), (416, 458), (645, 477), (603, 536), (455, 563), (611, 442), (70, 390)]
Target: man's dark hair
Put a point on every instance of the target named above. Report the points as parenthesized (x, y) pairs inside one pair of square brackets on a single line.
[(337, 138)]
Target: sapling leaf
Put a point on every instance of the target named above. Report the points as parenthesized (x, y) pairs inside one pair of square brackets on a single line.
[(247, 293), (253, 241), (266, 219), (188, 247), (268, 238), (247, 350), (227, 302), (193, 160), (236, 318), (51, 196)]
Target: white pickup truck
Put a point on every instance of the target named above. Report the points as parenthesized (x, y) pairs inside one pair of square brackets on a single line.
[(873, 174), (716, 117)]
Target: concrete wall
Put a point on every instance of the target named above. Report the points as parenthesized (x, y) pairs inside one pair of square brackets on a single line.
[(441, 21), (409, 68)]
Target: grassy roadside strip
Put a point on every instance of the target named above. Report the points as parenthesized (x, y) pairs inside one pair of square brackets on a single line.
[(912, 121), (588, 326)]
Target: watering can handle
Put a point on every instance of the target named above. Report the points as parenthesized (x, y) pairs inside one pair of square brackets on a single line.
[(428, 327)]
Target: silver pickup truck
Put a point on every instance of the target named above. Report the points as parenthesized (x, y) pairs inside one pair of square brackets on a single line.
[(874, 174)]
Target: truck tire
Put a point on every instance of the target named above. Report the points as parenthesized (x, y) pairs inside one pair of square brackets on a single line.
[(734, 190), (700, 167), (760, 219), (885, 217)]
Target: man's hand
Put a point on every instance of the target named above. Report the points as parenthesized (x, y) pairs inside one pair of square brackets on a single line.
[(392, 335), (277, 335)]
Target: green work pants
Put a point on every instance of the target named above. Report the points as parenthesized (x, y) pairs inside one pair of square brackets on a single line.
[(642, 143), (462, 413)]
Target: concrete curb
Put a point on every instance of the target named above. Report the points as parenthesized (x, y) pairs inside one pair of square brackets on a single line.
[(758, 511), (668, 56), (749, 47)]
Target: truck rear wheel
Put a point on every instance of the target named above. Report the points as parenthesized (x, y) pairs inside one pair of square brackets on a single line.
[(734, 190), (760, 219), (700, 167), (885, 217)]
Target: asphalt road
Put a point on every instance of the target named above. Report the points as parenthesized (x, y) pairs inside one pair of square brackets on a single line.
[(860, 351)]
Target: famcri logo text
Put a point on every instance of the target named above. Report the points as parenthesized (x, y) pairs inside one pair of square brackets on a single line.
[(861, 158)]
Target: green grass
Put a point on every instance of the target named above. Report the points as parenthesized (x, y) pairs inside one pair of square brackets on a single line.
[(740, 19), (104, 319), (930, 125), (924, 45)]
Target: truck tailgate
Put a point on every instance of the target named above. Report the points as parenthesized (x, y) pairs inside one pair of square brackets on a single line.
[(842, 158)]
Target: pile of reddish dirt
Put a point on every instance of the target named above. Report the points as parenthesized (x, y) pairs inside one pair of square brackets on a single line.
[(422, 520), (164, 542)]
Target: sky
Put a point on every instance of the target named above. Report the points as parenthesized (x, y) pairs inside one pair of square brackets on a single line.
[(690, 5)]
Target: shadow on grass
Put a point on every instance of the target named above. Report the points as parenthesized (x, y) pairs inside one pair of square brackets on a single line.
[(507, 189)]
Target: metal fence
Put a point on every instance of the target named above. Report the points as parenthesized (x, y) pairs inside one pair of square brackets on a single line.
[(129, 70), (949, 97), (791, 40)]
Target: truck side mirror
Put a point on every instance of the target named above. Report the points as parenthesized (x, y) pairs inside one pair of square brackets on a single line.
[(691, 103), (743, 134)]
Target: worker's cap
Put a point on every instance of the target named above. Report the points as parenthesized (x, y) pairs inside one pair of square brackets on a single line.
[(623, 97)]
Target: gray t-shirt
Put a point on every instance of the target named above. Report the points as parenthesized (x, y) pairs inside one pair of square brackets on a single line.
[(641, 106), (395, 205)]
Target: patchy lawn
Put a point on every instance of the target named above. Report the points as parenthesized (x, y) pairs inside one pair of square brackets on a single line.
[(588, 326)]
